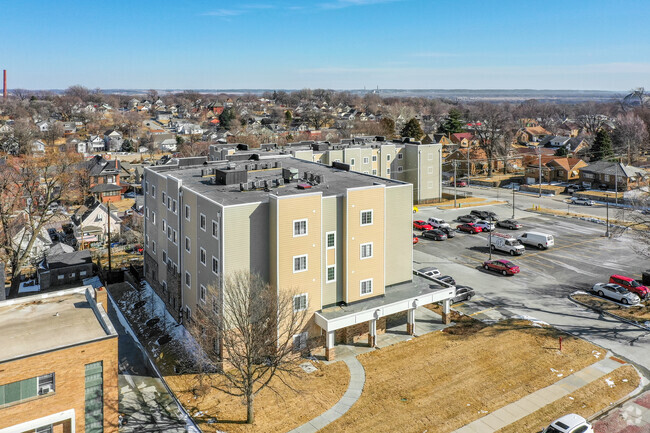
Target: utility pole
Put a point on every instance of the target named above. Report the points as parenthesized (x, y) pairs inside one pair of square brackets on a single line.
[(108, 211), (539, 156), (607, 230), (455, 181), (513, 201), (468, 150), (490, 236), (616, 183)]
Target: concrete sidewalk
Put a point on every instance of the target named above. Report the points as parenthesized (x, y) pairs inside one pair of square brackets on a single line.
[(540, 398)]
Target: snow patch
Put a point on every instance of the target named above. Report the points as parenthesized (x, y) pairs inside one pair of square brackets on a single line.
[(532, 320), (610, 382)]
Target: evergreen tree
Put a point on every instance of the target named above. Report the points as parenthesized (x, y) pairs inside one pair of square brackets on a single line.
[(562, 151), (226, 117), (452, 123), (412, 129), (127, 146), (602, 147), (388, 126)]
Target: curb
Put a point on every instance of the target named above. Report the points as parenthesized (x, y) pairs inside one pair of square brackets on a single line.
[(638, 390), (607, 313)]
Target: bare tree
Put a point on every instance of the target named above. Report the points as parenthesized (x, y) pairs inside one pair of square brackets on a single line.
[(630, 135), (250, 328), (53, 133), (316, 118), (21, 94), (495, 131), (24, 133), (29, 185)]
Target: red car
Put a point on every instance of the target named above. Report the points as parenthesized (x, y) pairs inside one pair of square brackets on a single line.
[(630, 284), (422, 225), (469, 228), (504, 266), (461, 183), (415, 239)]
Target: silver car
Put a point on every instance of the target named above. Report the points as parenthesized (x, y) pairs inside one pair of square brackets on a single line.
[(430, 271), (582, 201), (485, 225), (616, 292)]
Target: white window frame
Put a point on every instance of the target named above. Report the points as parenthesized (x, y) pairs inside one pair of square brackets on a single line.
[(430, 156), (153, 247), (202, 222), (327, 240), (164, 225), (215, 260), (306, 221), (202, 293), (301, 339), (374, 158), (294, 263), (327, 274), (188, 313), (352, 161), (188, 279), (361, 248), (203, 256), (164, 198), (164, 257), (361, 287), (400, 169), (215, 233), (146, 212), (188, 244), (153, 217), (366, 160), (153, 191), (187, 212), (400, 156), (388, 171), (174, 206), (388, 157), (146, 187), (372, 217), (374, 171), (306, 296), (430, 170)]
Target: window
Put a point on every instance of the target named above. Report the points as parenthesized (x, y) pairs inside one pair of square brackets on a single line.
[(26, 389), (188, 246), (299, 228), (374, 158), (400, 169), (164, 197), (430, 156), (331, 240), (44, 429), (60, 277), (169, 233), (153, 217), (169, 203), (174, 204), (146, 187), (366, 160), (202, 256), (164, 256), (215, 305), (153, 247), (153, 191), (187, 212), (331, 273), (400, 156), (215, 229), (374, 171), (300, 341), (188, 279), (202, 292), (146, 212), (300, 302), (94, 397), (299, 263), (388, 157), (146, 241), (430, 170), (174, 236), (45, 384), (82, 273), (366, 287), (388, 171), (188, 313), (366, 250), (606, 177), (351, 161), (215, 265), (164, 225), (202, 222), (366, 217)]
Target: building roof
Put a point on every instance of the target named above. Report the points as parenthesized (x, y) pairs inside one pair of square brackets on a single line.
[(51, 321), (335, 181), (105, 187), (606, 167), (536, 130), (68, 259)]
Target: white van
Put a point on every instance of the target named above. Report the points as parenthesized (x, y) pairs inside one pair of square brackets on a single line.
[(537, 239), (506, 243)]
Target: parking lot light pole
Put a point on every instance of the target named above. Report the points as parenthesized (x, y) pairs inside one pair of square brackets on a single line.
[(490, 235), (607, 230), (455, 181), (513, 201)]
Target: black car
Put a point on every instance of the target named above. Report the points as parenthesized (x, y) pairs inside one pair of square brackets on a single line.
[(509, 224), (435, 234), (448, 231), (485, 214), (467, 218), (447, 279), (463, 293)]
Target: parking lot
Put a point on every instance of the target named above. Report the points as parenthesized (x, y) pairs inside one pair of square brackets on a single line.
[(581, 257)]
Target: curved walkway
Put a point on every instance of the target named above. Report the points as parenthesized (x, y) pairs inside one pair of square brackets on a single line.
[(355, 388)]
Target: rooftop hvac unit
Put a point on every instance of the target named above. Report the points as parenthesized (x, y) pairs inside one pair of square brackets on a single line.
[(266, 184), (280, 181), (311, 176), (243, 186), (278, 164)]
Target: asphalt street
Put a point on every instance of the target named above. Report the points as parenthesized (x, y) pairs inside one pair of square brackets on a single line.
[(581, 257)]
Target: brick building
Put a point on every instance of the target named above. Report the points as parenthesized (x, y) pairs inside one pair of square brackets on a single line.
[(58, 363)]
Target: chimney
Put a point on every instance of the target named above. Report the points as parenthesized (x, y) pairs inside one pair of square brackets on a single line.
[(4, 84), (101, 297)]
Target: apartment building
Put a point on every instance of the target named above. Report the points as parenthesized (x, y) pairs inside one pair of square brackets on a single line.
[(342, 239), (413, 162), (58, 363)]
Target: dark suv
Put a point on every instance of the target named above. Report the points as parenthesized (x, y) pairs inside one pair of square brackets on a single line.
[(485, 214)]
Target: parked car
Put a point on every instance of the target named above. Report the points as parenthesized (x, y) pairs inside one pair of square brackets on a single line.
[(435, 234), (631, 285), (616, 292), (449, 232), (512, 185), (503, 266), (129, 195), (484, 214), (603, 187), (539, 240), (485, 225), (571, 423), (469, 228), (459, 183), (437, 223), (575, 187), (430, 271), (582, 201), (415, 239), (467, 218), (463, 293), (447, 279), (509, 224), (421, 225)]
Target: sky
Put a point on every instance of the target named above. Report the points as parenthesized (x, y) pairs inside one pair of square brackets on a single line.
[(335, 44)]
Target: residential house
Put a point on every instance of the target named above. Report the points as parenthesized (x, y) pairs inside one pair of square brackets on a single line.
[(531, 135), (92, 224), (58, 363), (96, 144), (41, 244), (64, 269), (43, 126), (463, 139), (105, 178), (113, 140), (613, 175), (38, 146), (554, 169), (477, 162)]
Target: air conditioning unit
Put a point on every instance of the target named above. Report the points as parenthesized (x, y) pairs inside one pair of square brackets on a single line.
[(45, 389)]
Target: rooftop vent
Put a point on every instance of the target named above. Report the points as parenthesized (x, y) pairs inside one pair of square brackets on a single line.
[(289, 174), (230, 176)]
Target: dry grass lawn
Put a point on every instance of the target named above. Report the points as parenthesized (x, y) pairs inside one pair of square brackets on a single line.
[(640, 313), (586, 401), (444, 380), (316, 393)]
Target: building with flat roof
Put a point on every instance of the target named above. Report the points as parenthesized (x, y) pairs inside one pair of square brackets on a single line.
[(413, 162), (58, 363), (338, 237)]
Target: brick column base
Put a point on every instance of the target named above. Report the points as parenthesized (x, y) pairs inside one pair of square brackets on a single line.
[(329, 354), (410, 329), (446, 318), (371, 341)]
